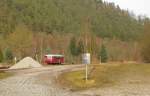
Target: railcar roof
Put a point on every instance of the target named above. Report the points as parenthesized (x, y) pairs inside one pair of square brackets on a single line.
[(57, 55)]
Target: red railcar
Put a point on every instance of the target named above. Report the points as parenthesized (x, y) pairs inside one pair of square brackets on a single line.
[(54, 59)]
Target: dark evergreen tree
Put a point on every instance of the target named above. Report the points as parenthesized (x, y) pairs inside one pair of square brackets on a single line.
[(103, 56), (80, 47), (73, 47), (48, 50), (8, 55), (1, 56)]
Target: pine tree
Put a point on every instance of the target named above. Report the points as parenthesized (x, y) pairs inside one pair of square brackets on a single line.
[(1, 56), (103, 54), (48, 50), (8, 54), (80, 47), (73, 47)]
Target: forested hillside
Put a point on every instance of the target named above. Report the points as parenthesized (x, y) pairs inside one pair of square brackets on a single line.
[(37, 27), (67, 16)]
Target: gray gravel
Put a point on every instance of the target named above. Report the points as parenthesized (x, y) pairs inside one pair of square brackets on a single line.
[(40, 82), (35, 82)]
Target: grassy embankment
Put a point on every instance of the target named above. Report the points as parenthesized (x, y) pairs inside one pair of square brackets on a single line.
[(105, 76)]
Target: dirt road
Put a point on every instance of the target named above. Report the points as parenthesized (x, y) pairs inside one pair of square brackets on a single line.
[(35, 82), (40, 82)]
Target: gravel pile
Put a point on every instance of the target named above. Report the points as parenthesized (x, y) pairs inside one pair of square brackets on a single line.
[(27, 62)]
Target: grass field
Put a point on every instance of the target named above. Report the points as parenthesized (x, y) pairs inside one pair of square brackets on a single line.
[(105, 76)]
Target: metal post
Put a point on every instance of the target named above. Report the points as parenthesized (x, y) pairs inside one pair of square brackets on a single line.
[(86, 72)]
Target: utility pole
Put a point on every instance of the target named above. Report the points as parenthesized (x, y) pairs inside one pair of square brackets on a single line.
[(86, 55)]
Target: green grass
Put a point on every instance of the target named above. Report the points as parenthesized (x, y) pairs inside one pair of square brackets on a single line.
[(105, 76), (4, 74)]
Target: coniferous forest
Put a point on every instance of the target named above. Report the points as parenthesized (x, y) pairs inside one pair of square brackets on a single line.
[(38, 27)]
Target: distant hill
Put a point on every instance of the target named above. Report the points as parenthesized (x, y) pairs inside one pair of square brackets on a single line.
[(68, 16)]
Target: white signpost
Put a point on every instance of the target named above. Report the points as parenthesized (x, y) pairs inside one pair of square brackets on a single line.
[(86, 59), (15, 59)]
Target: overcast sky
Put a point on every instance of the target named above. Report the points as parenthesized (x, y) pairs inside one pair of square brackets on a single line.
[(139, 7)]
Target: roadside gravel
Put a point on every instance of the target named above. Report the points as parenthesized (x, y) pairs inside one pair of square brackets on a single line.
[(35, 82), (40, 82)]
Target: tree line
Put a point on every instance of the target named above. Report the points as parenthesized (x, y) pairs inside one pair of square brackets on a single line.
[(38, 27), (51, 16)]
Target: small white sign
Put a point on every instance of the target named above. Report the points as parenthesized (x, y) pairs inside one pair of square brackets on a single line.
[(86, 59)]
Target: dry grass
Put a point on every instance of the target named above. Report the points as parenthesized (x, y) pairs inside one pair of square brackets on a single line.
[(4, 74), (106, 75)]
